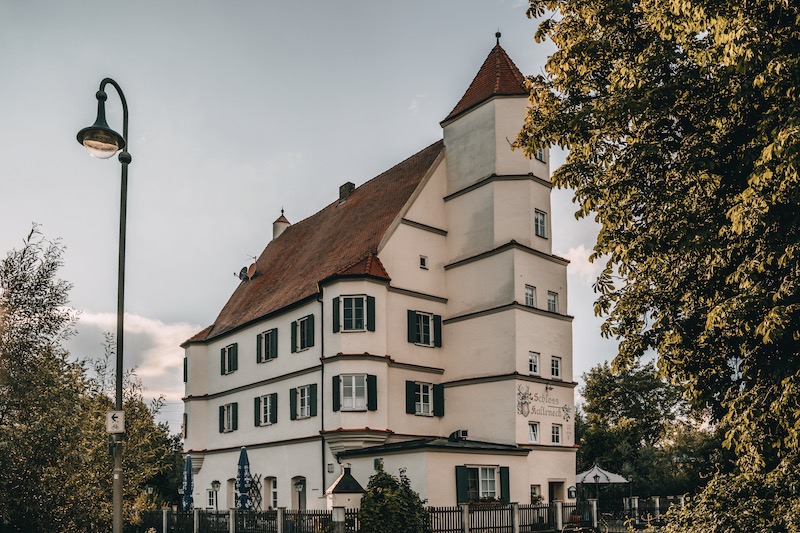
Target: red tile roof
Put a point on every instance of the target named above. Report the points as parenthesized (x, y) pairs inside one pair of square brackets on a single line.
[(341, 239), (498, 76)]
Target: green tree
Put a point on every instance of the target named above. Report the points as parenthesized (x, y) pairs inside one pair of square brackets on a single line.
[(682, 118), (390, 505), (55, 470), (635, 423)]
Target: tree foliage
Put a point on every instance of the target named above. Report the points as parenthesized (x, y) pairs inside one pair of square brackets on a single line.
[(55, 470), (634, 423), (682, 121), (390, 505)]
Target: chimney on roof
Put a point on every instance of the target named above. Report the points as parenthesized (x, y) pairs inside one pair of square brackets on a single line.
[(279, 226), (345, 190)]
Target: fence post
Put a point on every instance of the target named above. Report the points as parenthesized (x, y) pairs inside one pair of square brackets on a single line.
[(196, 521), (657, 505), (635, 505), (279, 518), (232, 521), (338, 519), (164, 520), (593, 508), (559, 515), (465, 518), (514, 517)]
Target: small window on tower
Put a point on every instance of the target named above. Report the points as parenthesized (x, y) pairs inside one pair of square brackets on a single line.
[(423, 262)]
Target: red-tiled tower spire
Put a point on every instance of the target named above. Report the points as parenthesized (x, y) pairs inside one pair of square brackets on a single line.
[(498, 76)]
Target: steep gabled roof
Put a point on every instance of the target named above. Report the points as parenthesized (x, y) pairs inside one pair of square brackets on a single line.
[(498, 76), (340, 240)]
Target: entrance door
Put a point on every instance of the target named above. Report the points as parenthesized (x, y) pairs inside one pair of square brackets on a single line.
[(555, 491)]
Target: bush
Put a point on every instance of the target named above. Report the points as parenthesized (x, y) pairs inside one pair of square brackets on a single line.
[(390, 505)]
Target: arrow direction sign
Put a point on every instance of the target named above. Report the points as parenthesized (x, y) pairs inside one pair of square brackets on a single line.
[(115, 421)]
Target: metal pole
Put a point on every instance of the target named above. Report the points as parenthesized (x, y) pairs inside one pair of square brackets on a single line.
[(124, 159), (118, 486)]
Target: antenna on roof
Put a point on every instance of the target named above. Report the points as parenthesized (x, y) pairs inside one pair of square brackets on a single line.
[(242, 275)]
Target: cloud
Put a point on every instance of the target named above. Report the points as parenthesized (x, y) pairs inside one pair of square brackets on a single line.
[(414, 105), (152, 346), (580, 266)]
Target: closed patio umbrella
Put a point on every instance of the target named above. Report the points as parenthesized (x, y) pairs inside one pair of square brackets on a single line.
[(243, 481), (187, 504)]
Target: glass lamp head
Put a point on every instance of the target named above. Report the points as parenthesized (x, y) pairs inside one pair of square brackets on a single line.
[(100, 140)]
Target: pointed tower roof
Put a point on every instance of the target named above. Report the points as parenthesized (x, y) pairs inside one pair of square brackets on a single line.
[(498, 76)]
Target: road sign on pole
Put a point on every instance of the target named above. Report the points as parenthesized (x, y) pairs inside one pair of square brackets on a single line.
[(115, 421)]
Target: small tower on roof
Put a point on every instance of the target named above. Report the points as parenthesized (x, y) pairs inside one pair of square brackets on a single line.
[(279, 226), (479, 129)]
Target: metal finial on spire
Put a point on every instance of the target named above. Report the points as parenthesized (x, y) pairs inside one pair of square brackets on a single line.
[(498, 34)]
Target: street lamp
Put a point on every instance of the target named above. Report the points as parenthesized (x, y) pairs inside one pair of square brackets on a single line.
[(103, 142), (597, 487), (215, 488)]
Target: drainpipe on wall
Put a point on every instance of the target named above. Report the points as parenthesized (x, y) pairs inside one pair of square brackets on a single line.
[(322, 387)]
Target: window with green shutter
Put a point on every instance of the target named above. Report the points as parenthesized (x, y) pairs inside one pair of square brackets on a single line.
[(266, 409), (267, 346), (353, 313), (229, 359), (303, 401), (424, 329), (424, 399), (228, 417), (303, 333), (355, 392)]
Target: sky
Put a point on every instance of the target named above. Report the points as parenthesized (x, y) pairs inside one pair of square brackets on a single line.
[(237, 109)]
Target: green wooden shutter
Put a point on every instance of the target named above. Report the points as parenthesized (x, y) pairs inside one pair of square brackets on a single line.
[(372, 392), (337, 393), (411, 403), (294, 337), (438, 400), (273, 344), (273, 407), (310, 331), (259, 340), (235, 362), (336, 325), (505, 497), (370, 313), (462, 490), (185, 369), (437, 330), (412, 326), (235, 416), (222, 361), (312, 400), (292, 404), (257, 410), (221, 418)]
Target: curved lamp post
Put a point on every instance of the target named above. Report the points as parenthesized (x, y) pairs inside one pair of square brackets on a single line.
[(103, 142)]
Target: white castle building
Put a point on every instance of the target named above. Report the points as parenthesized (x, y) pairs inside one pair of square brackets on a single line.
[(419, 322)]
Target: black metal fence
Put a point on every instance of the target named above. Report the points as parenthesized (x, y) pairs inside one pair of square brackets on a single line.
[(494, 518)]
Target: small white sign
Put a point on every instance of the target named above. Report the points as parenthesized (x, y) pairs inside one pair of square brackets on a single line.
[(115, 421)]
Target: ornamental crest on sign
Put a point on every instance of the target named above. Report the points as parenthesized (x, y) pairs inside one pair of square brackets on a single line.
[(524, 400)]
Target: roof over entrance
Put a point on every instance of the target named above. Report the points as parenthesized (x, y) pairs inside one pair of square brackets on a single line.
[(603, 476)]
